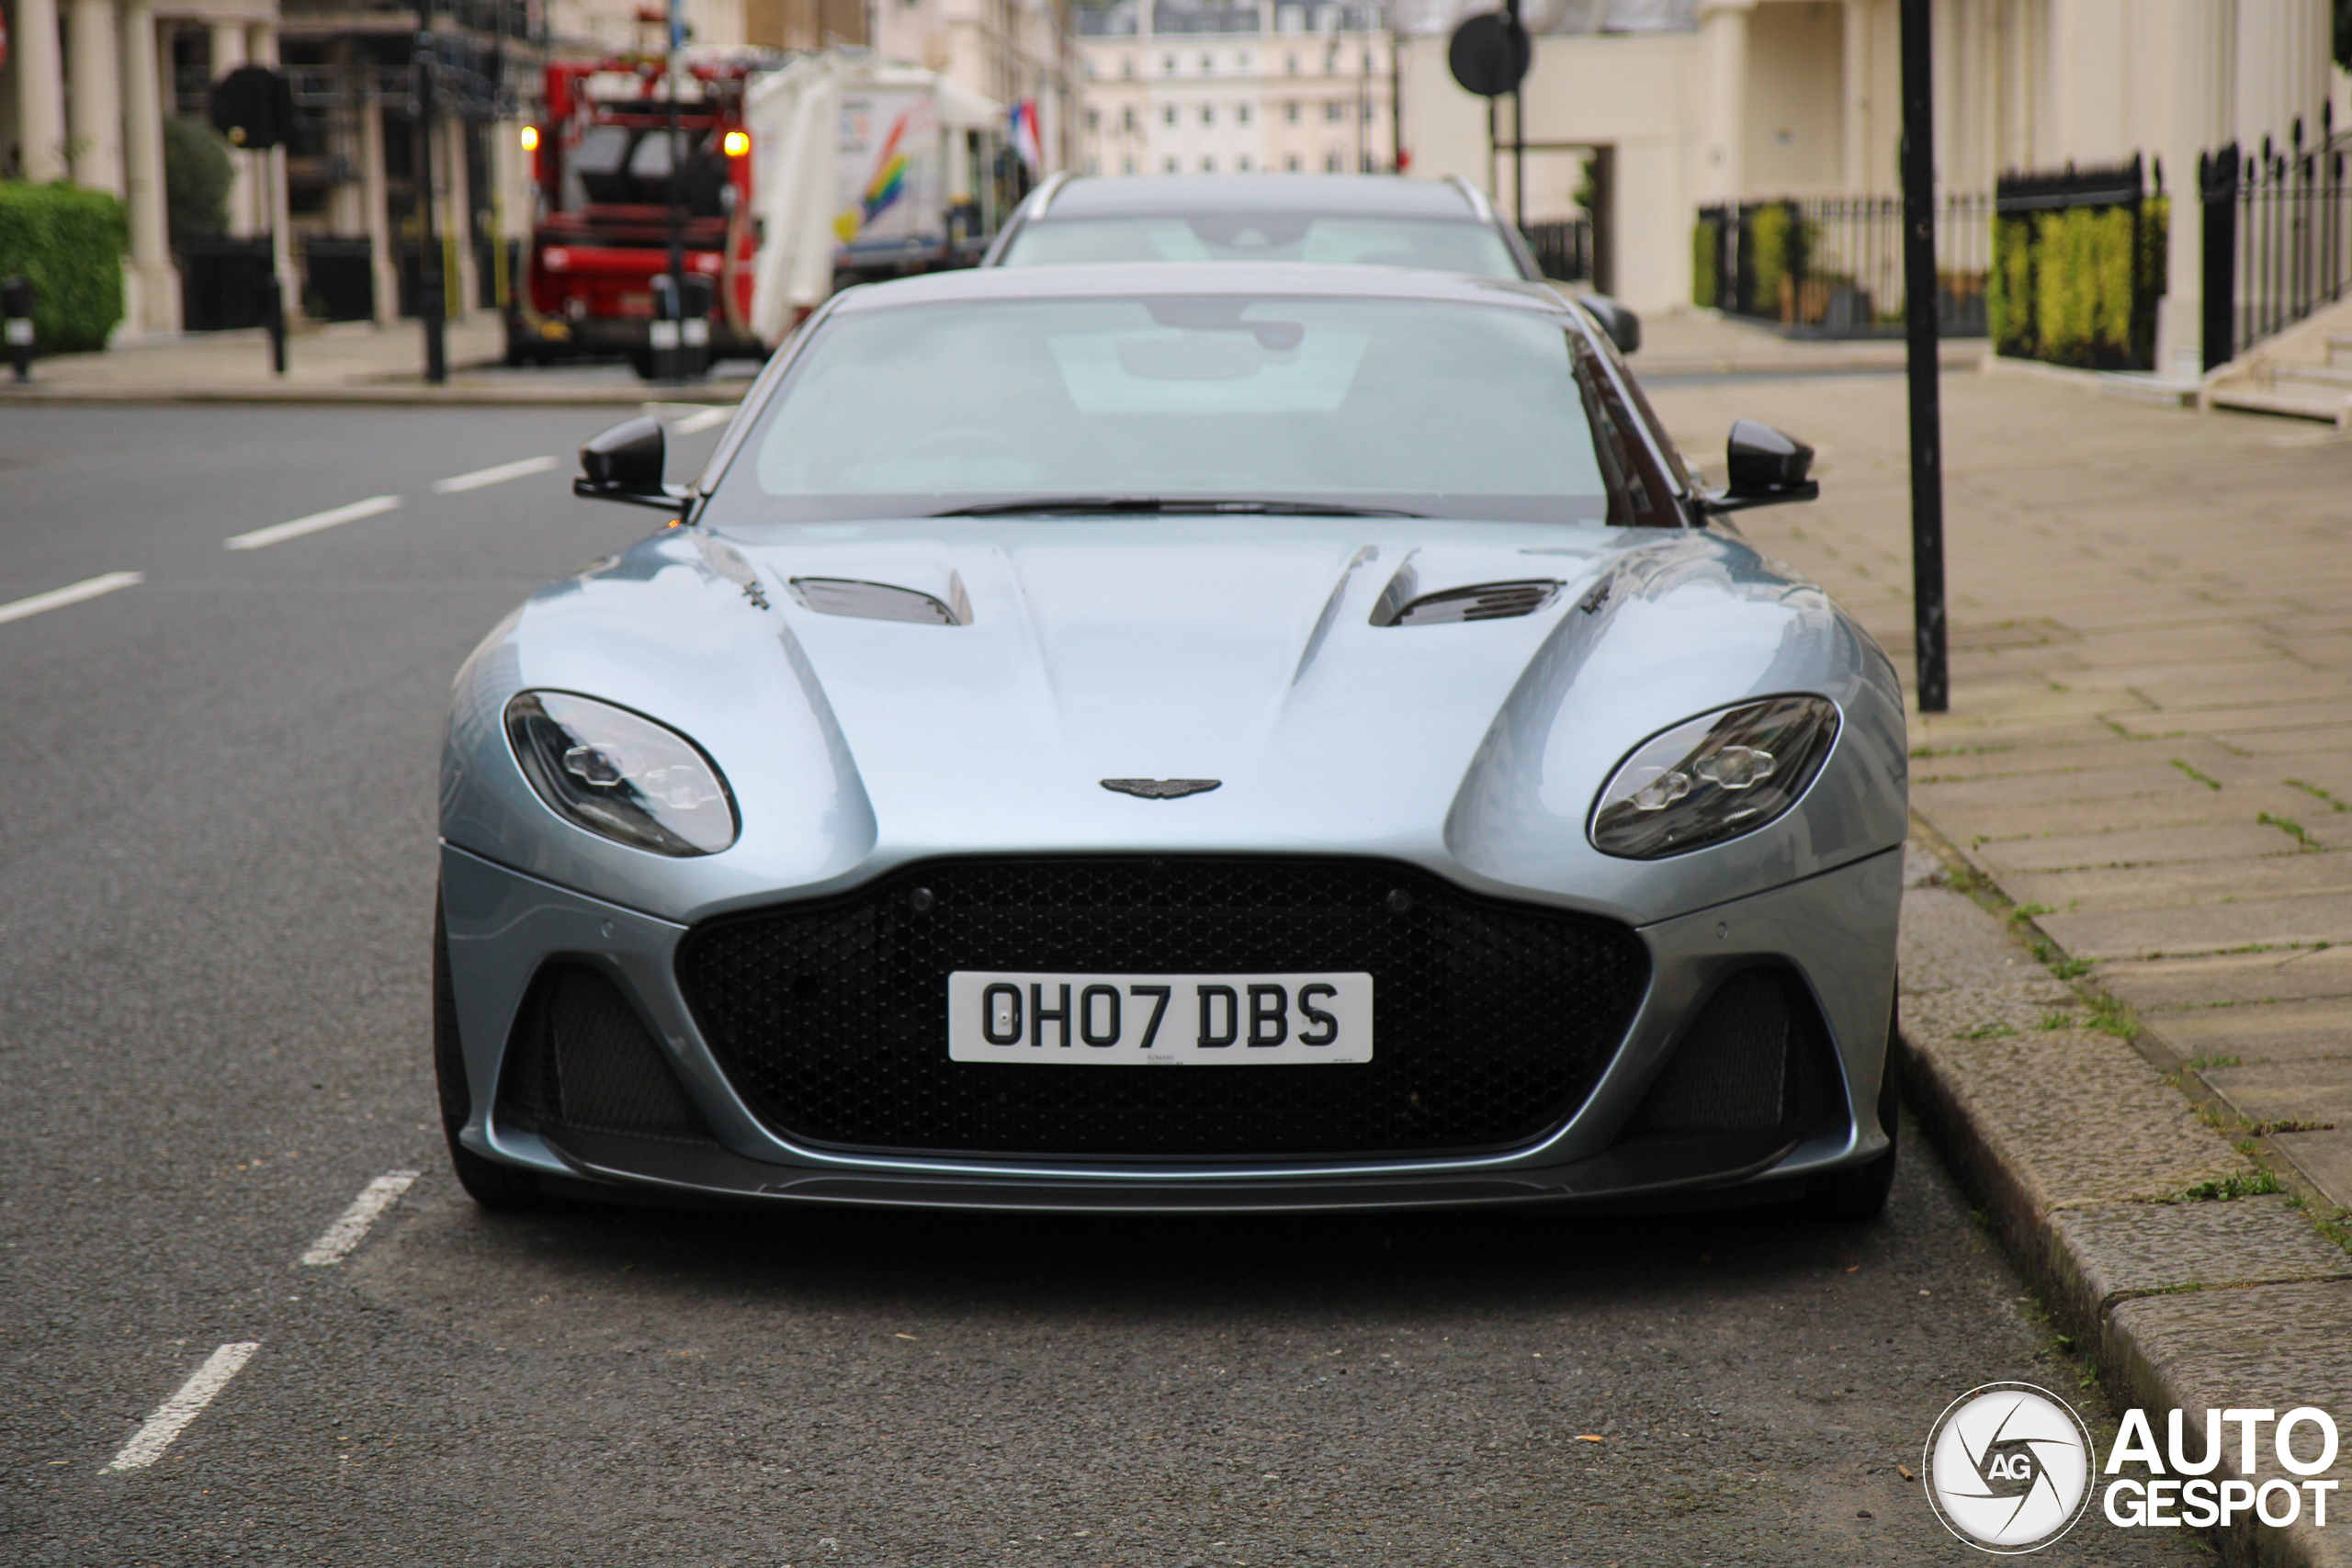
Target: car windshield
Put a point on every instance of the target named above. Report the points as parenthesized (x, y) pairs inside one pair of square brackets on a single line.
[(1431, 244), (1219, 401)]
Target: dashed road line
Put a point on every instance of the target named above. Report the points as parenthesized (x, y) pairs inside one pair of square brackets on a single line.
[(332, 517), (58, 598), (171, 1419), (346, 1232), (494, 475), (695, 422)]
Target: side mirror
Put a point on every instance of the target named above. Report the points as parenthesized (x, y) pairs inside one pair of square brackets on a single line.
[(1766, 469), (1624, 327), (625, 463)]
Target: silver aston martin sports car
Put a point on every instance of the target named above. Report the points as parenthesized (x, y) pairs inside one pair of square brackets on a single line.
[(1174, 738)]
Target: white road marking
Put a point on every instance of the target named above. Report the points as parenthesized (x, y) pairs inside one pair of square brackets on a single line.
[(498, 475), (694, 423), (345, 1233), (332, 517), (172, 1416), (58, 598)]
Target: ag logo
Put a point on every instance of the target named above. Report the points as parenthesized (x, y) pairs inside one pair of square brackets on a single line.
[(2009, 1468)]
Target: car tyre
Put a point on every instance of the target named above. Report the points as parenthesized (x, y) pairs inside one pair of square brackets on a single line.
[(487, 1182), (1858, 1194)]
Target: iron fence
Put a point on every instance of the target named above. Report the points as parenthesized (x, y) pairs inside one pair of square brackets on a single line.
[(1832, 266), (2277, 239), (1562, 249)]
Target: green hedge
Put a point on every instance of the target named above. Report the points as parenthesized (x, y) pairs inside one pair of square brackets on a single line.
[(1704, 252), (70, 243), (2079, 286)]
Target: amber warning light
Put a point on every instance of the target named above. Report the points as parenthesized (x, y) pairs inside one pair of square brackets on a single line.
[(530, 138), (737, 143)]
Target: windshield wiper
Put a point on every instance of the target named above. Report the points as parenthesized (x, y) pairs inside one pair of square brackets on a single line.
[(1115, 505)]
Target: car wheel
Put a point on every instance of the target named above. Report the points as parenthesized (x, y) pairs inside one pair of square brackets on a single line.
[(641, 361), (1858, 1195), (487, 1182)]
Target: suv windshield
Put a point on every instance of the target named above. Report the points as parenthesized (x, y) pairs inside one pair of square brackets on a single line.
[(1431, 244), (1147, 403)]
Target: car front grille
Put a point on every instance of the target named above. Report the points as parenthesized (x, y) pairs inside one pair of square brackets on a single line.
[(1492, 1019)]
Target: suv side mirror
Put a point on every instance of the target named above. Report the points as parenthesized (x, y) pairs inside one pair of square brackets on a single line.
[(1624, 327), (625, 463), (1766, 469)]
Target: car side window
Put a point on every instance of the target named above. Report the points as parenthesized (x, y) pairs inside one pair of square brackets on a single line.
[(1640, 495), (1648, 416)]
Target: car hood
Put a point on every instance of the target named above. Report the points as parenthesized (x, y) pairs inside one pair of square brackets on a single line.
[(1238, 649)]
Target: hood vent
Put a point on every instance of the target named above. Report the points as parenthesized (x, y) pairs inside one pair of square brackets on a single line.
[(883, 601), (1480, 602)]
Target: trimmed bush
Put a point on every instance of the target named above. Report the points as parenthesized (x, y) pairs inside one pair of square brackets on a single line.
[(2079, 285), (70, 243), (1704, 240), (198, 173)]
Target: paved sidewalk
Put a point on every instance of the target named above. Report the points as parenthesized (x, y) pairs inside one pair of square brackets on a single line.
[(352, 362), (2145, 782)]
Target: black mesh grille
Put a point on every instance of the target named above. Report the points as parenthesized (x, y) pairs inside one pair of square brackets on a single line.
[(1758, 1059), (1492, 1021), (580, 1058)]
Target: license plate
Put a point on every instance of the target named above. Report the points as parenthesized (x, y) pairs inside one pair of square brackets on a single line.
[(1138, 1021)]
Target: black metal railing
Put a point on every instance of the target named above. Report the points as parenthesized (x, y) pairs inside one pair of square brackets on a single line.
[(1832, 266), (1562, 249), (2277, 239), (2079, 265)]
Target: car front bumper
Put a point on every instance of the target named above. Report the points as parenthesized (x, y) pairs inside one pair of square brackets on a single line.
[(1835, 931)]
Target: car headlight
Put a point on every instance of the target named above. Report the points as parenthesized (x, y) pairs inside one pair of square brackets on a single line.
[(1713, 777), (617, 774)]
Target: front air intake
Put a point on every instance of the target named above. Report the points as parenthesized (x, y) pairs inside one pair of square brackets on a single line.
[(1758, 1060), (580, 1059)]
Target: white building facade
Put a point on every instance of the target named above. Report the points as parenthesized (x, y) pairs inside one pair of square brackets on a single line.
[(1706, 101), (1196, 87)]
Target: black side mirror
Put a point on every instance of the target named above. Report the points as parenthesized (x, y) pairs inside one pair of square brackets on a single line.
[(1766, 469), (1624, 327), (625, 463)]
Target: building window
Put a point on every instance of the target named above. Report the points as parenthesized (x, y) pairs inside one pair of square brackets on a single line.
[(1168, 66), (1289, 113), (1208, 165), (1371, 111), (1241, 61), (1208, 64), (1093, 165), (1126, 166), (1333, 162), (1241, 114), (1208, 114), (1128, 119), (1290, 65), (1168, 114), (1093, 119), (1291, 163), (1170, 166), (1127, 66), (1088, 66), (1242, 163), (1331, 111)]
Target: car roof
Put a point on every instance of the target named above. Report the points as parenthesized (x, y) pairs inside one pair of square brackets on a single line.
[(1128, 279), (1322, 196)]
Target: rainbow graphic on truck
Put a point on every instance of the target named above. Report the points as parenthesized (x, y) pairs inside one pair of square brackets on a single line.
[(888, 184)]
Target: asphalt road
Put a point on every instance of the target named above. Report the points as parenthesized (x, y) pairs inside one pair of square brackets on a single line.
[(216, 871)]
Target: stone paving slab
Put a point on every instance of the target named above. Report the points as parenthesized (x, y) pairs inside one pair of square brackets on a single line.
[(2215, 927), (2284, 975), (2262, 1032), (2325, 1160), (2309, 1091), (2013, 860), (2266, 873)]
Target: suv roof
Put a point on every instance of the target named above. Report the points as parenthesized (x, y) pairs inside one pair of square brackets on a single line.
[(1336, 196)]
